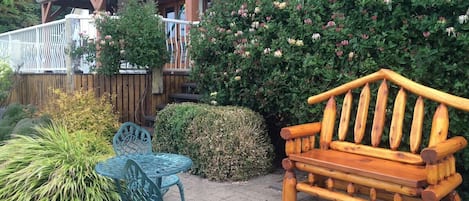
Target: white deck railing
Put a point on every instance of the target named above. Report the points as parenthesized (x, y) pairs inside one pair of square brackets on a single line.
[(44, 48)]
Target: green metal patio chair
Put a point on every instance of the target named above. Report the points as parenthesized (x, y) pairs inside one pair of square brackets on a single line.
[(133, 139), (138, 186)]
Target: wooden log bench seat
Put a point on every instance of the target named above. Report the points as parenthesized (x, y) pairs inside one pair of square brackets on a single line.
[(348, 159)]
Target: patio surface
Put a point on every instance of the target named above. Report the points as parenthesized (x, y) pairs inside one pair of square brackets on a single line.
[(263, 188)]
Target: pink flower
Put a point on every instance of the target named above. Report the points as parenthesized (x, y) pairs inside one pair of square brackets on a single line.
[(330, 24), (426, 34), (374, 17), (365, 36), (268, 18), (299, 7), (108, 37), (308, 21), (344, 42), (339, 53)]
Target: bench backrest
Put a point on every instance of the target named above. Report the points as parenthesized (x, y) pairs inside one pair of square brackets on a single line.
[(439, 125)]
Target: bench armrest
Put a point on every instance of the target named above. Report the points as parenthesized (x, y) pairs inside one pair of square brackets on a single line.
[(433, 154), (301, 130)]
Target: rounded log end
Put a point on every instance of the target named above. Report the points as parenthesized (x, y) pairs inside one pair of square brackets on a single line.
[(285, 133), (287, 164), (429, 155), (429, 195)]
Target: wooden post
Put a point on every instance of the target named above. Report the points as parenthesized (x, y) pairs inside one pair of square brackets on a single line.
[(289, 181), (68, 57), (192, 10)]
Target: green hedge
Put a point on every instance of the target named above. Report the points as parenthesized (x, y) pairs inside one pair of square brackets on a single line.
[(225, 143), (270, 56)]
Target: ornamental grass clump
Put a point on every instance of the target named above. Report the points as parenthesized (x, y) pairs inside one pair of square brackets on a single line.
[(225, 143), (55, 165)]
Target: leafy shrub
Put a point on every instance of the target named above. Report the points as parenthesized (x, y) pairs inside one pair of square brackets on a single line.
[(271, 56), (5, 81), (225, 143), (54, 165), (12, 115), (83, 111), (136, 36)]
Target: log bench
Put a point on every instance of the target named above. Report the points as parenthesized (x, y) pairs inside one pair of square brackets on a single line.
[(352, 161)]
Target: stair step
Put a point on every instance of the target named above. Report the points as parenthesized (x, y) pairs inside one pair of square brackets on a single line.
[(189, 84), (182, 97)]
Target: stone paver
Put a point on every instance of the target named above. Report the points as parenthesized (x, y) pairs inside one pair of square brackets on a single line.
[(262, 188)]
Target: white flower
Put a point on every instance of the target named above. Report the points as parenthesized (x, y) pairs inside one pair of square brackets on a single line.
[(282, 5), (299, 43), (255, 24), (257, 10), (213, 102), (316, 36), (237, 78), (213, 94), (463, 19), (278, 53), (450, 31), (387, 2), (267, 51), (232, 24), (291, 41)]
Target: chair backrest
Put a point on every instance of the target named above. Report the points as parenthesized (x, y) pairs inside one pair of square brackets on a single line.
[(405, 90), (131, 139), (138, 186)]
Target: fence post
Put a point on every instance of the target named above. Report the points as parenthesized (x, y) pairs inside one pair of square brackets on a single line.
[(68, 47)]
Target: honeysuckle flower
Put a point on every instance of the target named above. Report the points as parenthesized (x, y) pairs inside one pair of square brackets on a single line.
[(344, 42), (213, 102), (339, 53), (213, 40), (111, 42), (276, 3), (251, 30), (299, 43), (282, 5), (255, 24), (330, 24), (267, 51), (351, 55), (238, 33), (108, 37), (232, 24), (299, 7), (102, 42), (365, 36), (246, 54), (426, 34), (268, 18), (463, 19), (387, 2), (257, 10), (238, 70), (291, 41), (308, 21), (316, 36), (374, 17), (90, 41), (278, 53), (122, 52), (450, 31), (442, 20), (213, 93), (237, 78)]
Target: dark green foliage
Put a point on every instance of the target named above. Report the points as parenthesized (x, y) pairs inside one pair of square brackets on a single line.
[(12, 115), (225, 143), (55, 165), (16, 14), (27, 126), (136, 36), (271, 56)]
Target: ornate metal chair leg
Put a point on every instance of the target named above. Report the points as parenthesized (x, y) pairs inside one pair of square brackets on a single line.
[(181, 190)]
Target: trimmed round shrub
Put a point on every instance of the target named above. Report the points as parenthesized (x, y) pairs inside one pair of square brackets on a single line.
[(55, 165), (225, 143)]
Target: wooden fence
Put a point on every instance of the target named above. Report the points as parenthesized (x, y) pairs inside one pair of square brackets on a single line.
[(133, 97)]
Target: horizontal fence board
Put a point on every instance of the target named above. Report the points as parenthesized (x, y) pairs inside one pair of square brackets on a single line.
[(130, 93)]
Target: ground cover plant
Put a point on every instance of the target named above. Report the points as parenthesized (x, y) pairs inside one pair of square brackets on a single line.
[(271, 56), (13, 114), (54, 165), (225, 143)]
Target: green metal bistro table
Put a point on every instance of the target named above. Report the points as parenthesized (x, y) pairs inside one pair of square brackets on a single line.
[(155, 165)]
